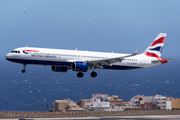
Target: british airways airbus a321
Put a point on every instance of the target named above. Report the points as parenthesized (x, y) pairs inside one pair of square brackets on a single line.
[(63, 60)]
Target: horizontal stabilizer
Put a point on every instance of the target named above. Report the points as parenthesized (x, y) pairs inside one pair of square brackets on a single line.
[(155, 61)]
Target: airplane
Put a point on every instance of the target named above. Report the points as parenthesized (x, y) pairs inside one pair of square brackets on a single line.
[(62, 60)]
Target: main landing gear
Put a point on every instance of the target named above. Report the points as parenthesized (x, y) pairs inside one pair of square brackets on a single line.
[(80, 74), (23, 70), (93, 74)]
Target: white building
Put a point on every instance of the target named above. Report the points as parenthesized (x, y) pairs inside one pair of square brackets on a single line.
[(168, 104), (150, 99), (101, 104), (161, 101), (136, 100)]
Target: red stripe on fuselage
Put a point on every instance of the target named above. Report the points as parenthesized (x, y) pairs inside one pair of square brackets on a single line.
[(31, 50), (160, 40)]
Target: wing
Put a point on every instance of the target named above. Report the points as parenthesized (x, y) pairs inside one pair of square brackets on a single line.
[(99, 63)]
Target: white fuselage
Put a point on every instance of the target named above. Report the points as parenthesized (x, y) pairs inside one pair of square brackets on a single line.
[(60, 57), (62, 60)]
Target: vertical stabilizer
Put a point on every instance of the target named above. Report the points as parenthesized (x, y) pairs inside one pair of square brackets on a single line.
[(156, 47)]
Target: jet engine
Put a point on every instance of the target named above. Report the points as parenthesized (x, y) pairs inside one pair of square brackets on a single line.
[(59, 69), (79, 66)]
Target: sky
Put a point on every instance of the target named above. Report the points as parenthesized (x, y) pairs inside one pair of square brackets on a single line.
[(120, 26)]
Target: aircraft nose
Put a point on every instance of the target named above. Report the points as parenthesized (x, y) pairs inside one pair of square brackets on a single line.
[(8, 56)]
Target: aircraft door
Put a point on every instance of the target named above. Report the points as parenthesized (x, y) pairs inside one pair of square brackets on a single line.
[(27, 55), (142, 60), (78, 56), (108, 57)]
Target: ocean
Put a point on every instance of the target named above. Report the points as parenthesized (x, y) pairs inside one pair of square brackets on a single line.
[(20, 91)]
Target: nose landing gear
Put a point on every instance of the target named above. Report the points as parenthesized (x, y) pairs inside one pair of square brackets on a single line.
[(23, 70)]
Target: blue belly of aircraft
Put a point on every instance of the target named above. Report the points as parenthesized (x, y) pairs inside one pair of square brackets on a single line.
[(40, 62), (120, 67), (59, 63)]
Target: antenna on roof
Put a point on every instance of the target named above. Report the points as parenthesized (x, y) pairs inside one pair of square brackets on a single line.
[(76, 49), (26, 45)]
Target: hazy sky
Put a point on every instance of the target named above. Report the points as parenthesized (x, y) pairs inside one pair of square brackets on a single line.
[(119, 25)]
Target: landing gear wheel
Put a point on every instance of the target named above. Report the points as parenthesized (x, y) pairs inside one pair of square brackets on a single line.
[(93, 74), (80, 74), (23, 71)]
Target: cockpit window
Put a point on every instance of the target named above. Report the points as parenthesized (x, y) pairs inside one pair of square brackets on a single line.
[(15, 51)]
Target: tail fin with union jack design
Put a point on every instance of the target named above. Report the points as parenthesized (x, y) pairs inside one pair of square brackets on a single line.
[(156, 47)]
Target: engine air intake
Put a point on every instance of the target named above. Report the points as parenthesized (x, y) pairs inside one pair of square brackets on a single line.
[(79, 66)]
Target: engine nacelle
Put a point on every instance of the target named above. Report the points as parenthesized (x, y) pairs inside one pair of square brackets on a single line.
[(59, 69), (79, 66)]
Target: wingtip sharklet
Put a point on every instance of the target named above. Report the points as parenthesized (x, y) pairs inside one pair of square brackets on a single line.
[(136, 52)]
